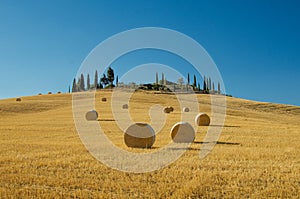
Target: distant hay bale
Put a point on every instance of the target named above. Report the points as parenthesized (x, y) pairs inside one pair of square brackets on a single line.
[(18, 99), (40, 94), (202, 119), (125, 106), (49, 93), (139, 135), (167, 110), (58, 92), (182, 132), (103, 99), (91, 115), (186, 109)]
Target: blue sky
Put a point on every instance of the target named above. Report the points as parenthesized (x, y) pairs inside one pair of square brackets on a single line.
[(255, 44)]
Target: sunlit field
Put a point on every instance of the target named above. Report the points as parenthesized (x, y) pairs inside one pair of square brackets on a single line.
[(257, 155)]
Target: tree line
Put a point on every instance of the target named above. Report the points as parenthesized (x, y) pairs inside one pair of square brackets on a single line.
[(106, 81), (165, 85), (208, 85)]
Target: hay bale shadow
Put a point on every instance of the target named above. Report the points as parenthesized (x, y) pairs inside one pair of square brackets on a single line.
[(106, 120), (225, 143), (226, 126)]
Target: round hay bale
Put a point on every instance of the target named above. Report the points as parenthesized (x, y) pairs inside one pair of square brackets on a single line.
[(103, 99), (139, 135), (167, 110), (125, 106), (182, 132), (171, 109), (91, 115), (186, 109), (18, 99), (49, 93), (40, 94), (202, 119), (58, 92)]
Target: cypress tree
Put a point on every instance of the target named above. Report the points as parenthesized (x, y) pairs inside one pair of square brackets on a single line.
[(96, 80), (117, 81), (88, 83), (74, 89), (207, 84), (81, 85), (204, 84), (195, 82)]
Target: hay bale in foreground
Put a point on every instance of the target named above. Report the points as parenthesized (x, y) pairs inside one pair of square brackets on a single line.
[(91, 115), (125, 106), (103, 99), (139, 135), (167, 110), (186, 109), (171, 108), (182, 132), (202, 119), (18, 99)]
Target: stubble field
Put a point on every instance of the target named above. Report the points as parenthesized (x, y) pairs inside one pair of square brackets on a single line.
[(257, 155)]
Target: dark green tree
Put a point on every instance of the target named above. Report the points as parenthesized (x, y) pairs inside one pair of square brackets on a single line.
[(195, 82), (156, 78), (207, 85), (117, 81), (96, 80), (104, 81), (188, 79), (81, 85), (219, 88), (74, 86), (78, 85), (110, 76), (204, 84), (88, 82)]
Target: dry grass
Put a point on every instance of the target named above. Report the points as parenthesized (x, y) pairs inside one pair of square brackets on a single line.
[(41, 155)]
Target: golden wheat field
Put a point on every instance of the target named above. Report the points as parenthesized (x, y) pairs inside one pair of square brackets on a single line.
[(42, 156)]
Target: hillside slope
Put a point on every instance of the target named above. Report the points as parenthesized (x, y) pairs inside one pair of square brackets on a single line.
[(42, 155)]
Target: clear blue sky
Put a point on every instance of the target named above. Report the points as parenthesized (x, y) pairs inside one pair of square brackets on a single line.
[(255, 44)]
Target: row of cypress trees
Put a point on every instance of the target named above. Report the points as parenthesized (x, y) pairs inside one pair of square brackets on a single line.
[(106, 81)]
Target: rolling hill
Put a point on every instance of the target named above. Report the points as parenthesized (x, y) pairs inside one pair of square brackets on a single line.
[(257, 155)]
